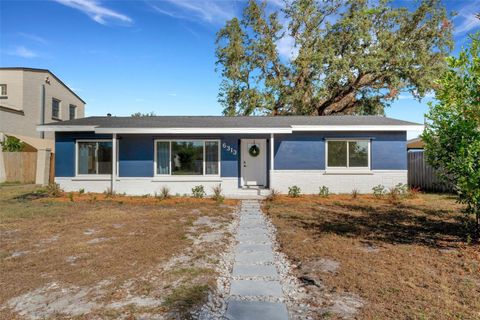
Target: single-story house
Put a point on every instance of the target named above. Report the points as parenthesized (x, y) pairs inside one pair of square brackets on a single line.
[(243, 154)]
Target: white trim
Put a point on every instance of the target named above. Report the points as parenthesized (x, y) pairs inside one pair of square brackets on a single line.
[(272, 151), (193, 130), (412, 127), (263, 155), (100, 176), (114, 160), (256, 130), (187, 177), (67, 128), (348, 169)]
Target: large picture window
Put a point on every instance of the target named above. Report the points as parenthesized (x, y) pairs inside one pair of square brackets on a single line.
[(187, 157), (351, 154), (94, 157)]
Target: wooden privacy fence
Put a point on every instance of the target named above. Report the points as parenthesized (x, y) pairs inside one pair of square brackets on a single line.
[(20, 166), (51, 176), (422, 175)]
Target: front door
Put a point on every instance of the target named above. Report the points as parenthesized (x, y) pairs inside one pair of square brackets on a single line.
[(254, 162)]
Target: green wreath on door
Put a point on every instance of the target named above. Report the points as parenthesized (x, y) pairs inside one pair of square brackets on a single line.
[(254, 150)]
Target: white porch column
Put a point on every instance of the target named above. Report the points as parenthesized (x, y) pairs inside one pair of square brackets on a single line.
[(272, 159), (3, 174), (114, 161), (43, 167)]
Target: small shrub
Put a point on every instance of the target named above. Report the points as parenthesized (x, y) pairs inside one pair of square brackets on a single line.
[(164, 193), (54, 190), (402, 189), (198, 191), (355, 193), (414, 192), (217, 193), (70, 196), (294, 191), (324, 191), (12, 144), (379, 191), (273, 195), (81, 191), (393, 194)]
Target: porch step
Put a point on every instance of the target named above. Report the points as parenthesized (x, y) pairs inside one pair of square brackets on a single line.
[(249, 193)]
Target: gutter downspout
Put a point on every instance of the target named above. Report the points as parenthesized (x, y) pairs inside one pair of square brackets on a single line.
[(42, 118)]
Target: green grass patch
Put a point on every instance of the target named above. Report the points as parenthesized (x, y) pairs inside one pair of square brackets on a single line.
[(185, 298)]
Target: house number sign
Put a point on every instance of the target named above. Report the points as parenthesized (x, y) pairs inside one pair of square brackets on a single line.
[(230, 149)]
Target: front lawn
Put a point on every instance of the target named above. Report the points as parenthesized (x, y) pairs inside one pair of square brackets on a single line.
[(370, 259), (94, 255)]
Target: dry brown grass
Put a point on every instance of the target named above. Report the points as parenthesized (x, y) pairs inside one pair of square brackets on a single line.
[(406, 261), (124, 240)]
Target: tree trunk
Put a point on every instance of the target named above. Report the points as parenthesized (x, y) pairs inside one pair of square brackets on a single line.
[(477, 227)]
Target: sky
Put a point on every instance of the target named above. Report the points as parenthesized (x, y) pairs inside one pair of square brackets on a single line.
[(125, 56)]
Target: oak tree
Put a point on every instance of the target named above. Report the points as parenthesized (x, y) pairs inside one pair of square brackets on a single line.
[(350, 56)]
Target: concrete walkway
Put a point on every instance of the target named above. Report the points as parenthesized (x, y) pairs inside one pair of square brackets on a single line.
[(255, 292)]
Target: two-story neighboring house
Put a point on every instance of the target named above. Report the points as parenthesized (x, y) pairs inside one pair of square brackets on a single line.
[(29, 97)]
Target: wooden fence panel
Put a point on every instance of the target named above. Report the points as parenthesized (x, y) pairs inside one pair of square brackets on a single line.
[(422, 175), (51, 178), (20, 166)]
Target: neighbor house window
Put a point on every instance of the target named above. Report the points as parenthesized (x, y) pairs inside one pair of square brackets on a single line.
[(72, 111), (94, 157), (351, 154), (3, 90), (55, 108), (187, 157)]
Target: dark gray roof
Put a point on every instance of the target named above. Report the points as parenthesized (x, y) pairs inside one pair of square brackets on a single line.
[(227, 122)]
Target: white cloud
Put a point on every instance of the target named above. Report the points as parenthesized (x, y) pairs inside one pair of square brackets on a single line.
[(172, 94), (96, 11), (209, 11), (408, 96), (33, 37), (466, 19), (23, 52), (286, 47)]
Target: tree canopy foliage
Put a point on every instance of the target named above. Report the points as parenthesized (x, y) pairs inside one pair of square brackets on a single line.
[(143, 115), (452, 134), (350, 56)]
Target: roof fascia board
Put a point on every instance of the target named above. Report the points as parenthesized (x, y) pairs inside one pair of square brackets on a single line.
[(358, 128), (65, 128), (192, 130)]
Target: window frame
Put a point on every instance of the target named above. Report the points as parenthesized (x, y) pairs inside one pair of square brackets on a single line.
[(348, 168), (96, 175), (58, 117), (70, 106), (6, 90), (204, 174)]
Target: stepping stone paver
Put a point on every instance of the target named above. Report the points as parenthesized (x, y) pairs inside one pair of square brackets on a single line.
[(254, 275), (256, 288), (254, 257), (242, 270), (253, 237), (256, 310), (245, 247)]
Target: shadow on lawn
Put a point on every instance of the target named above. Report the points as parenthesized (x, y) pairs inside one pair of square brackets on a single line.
[(397, 225)]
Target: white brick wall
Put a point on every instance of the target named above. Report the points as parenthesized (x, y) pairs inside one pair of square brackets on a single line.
[(142, 186), (310, 181)]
